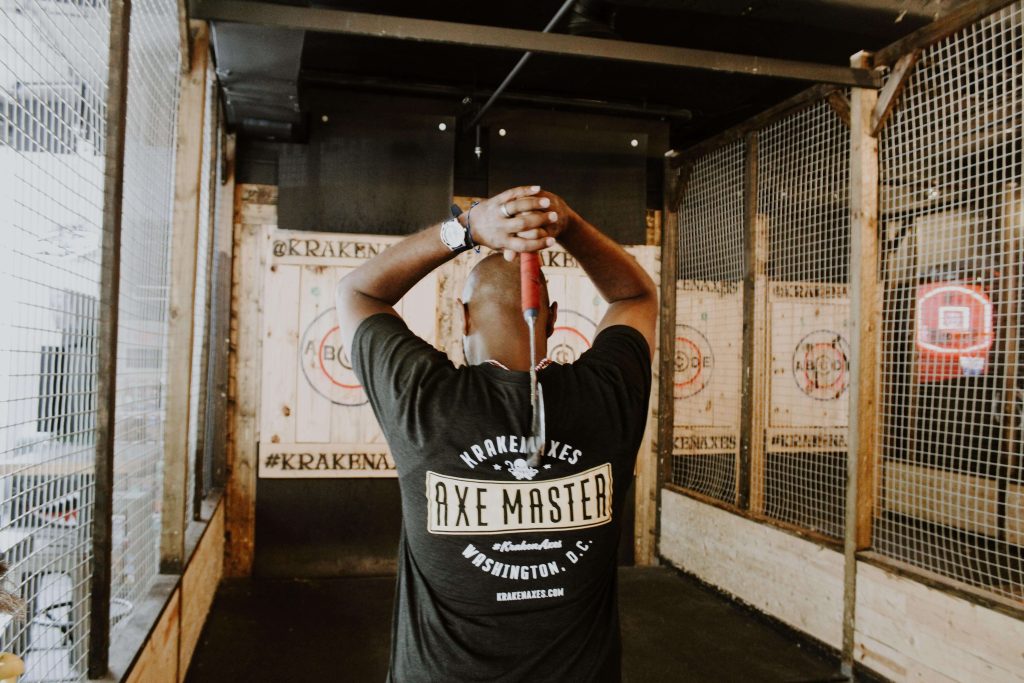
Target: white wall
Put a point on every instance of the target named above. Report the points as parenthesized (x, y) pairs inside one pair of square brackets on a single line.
[(798, 582), (905, 630)]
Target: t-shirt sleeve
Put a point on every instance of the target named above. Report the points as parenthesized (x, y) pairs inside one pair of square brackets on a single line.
[(615, 375), (625, 351), (396, 368)]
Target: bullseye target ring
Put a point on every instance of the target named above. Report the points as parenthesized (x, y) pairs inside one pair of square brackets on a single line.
[(821, 365), (325, 363), (572, 336), (694, 362)]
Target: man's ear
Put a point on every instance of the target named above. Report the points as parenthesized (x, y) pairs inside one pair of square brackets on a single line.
[(552, 317), (465, 317)]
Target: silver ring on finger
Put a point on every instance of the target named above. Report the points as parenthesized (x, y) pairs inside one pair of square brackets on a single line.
[(504, 211)]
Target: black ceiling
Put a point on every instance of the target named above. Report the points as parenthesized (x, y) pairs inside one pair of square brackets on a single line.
[(697, 103)]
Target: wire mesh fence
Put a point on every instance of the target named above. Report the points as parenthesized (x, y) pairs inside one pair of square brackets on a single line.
[(52, 89), (803, 206), (148, 192), (709, 326), (951, 495)]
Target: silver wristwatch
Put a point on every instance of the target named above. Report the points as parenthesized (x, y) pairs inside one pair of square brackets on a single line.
[(454, 235)]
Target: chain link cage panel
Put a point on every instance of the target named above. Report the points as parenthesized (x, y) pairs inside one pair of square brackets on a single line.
[(142, 333), (709, 325), (197, 384), (804, 213), (951, 495), (53, 70)]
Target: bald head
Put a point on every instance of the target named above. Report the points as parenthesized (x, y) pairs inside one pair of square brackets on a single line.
[(492, 307), (495, 282)]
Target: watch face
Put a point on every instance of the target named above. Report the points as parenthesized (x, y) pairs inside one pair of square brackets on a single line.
[(452, 234)]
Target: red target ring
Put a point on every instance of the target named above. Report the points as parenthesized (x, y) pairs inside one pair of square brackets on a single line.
[(323, 369)]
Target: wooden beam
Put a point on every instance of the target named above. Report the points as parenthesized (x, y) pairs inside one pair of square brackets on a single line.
[(802, 100), (402, 28), (674, 180), (759, 365), (244, 377), (647, 475), (754, 361), (890, 93), (181, 295), (222, 344), (184, 37), (107, 337), (937, 30), (865, 326), (202, 452), (840, 104), (1008, 315)]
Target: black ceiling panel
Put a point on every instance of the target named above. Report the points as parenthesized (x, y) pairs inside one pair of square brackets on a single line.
[(818, 31), (601, 174)]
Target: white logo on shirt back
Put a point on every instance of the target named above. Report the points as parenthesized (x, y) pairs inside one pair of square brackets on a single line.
[(456, 505), (520, 469)]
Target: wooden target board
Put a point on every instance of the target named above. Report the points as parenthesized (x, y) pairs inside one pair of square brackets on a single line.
[(809, 374), (315, 418), (708, 367)]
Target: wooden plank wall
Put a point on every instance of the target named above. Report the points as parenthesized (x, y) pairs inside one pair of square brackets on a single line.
[(908, 631), (165, 656), (313, 400), (198, 587), (158, 661)]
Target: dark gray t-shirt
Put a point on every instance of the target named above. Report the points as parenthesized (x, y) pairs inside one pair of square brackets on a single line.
[(506, 572)]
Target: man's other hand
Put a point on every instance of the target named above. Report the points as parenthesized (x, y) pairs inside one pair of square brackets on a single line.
[(516, 221)]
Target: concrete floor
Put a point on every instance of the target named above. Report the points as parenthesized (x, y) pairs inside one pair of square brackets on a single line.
[(673, 629)]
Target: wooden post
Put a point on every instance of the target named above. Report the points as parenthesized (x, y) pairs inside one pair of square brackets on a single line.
[(244, 378), (646, 477), (184, 37), (106, 380), (865, 324), (188, 156), (667, 331), (225, 238), (760, 364), (1012, 239), (749, 474), (202, 452)]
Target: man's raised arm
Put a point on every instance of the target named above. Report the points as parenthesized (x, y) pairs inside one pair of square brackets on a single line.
[(377, 285), (630, 291)]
